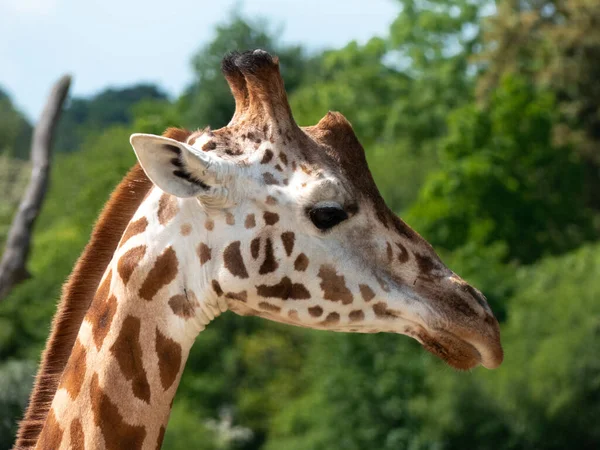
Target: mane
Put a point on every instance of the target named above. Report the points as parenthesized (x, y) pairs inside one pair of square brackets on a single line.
[(78, 292)]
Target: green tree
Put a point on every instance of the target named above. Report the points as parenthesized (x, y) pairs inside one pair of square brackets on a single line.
[(502, 180)]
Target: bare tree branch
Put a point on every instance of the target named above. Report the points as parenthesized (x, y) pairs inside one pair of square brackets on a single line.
[(13, 267)]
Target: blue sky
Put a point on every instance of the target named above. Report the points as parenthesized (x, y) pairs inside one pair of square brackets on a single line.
[(120, 42)]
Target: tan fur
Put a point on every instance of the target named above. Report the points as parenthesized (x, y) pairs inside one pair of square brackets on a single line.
[(79, 291)]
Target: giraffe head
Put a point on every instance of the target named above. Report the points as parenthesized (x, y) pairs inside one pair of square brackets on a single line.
[(294, 229)]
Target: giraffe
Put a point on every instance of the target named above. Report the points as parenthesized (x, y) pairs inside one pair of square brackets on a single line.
[(261, 217)]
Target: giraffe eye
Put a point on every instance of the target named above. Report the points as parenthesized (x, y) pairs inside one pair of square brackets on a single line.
[(326, 217)]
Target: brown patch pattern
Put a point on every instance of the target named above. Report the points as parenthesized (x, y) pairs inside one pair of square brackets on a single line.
[(229, 218), (161, 437), (284, 290), (240, 296), (334, 285), (267, 157), (209, 224), (204, 253), (77, 436), (288, 238), (301, 262), (356, 316), (315, 311), (366, 292), (234, 261), (101, 312), (271, 218), (332, 318), (163, 272), (72, 378), (169, 359), (52, 433), (133, 229), (269, 264), (117, 433), (403, 256), (184, 306), (255, 247), (269, 178), (129, 261), (250, 221), (269, 307), (217, 288), (381, 310), (127, 350), (186, 229), (167, 208)]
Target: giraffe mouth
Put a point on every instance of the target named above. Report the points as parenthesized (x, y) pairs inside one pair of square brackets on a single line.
[(453, 350)]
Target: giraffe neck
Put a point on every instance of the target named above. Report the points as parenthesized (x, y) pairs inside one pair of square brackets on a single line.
[(118, 386)]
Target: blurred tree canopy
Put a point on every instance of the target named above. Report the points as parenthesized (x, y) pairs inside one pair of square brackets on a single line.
[(480, 123)]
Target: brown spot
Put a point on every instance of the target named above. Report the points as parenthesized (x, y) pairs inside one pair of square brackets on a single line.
[(117, 433), (284, 290), (288, 238), (163, 272), (278, 168), (74, 372), (366, 292), (294, 166), (161, 437), (129, 261), (283, 158), (390, 252), (269, 264), (209, 225), (77, 436), (241, 296), (184, 306), (127, 350), (234, 261), (100, 315), (208, 146), (334, 285), (293, 314), (331, 318), (315, 311), (169, 359), (425, 263), (204, 253), (52, 433), (301, 262), (271, 218), (269, 178), (229, 218), (250, 221), (271, 200), (269, 307), (403, 256), (167, 208), (356, 316), (185, 229), (255, 247), (267, 157), (133, 229), (217, 288), (381, 310)]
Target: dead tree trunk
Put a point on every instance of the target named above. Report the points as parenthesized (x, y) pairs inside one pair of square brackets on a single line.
[(13, 267)]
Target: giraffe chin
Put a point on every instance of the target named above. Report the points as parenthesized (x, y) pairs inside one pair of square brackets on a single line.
[(456, 352)]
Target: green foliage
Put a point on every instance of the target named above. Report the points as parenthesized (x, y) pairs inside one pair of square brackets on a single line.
[(15, 131), (83, 117), (491, 183), (208, 100), (503, 181)]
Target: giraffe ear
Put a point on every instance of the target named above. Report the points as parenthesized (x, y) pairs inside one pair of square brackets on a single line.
[(178, 168)]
